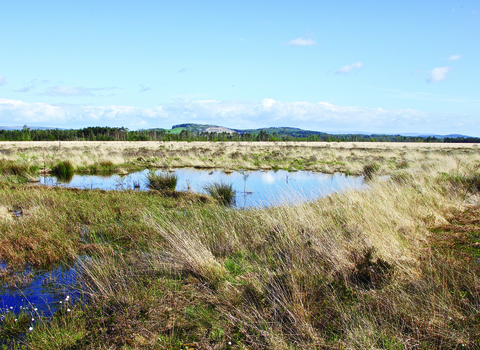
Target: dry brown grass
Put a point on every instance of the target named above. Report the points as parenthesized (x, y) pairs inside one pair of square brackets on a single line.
[(317, 156)]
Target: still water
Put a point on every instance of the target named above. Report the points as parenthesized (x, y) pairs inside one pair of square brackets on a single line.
[(39, 293), (253, 188)]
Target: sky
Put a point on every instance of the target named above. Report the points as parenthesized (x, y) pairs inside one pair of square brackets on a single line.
[(334, 66)]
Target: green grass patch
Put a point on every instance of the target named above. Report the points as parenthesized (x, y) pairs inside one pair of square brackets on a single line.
[(162, 181)]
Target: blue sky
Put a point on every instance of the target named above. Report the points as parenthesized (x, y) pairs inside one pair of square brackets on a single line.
[(373, 66)]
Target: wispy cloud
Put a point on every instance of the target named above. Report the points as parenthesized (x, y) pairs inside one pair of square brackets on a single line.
[(68, 91), (3, 80), (144, 88), (348, 68), (321, 116), (183, 70), (31, 85), (424, 96), (301, 42), (26, 88), (438, 74), (454, 57)]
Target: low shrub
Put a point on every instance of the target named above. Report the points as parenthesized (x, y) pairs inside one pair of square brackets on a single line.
[(162, 181), (222, 192)]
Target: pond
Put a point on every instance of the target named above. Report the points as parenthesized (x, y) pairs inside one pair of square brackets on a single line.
[(253, 188)]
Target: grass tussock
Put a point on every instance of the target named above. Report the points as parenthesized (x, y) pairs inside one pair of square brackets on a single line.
[(222, 192), (63, 170), (162, 181), (394, 266)]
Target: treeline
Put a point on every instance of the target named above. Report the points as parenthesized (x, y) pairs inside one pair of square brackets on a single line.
[(287, 134)]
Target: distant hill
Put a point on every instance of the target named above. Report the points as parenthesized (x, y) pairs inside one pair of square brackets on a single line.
[(30, 127), (204, 128), (296, 132)]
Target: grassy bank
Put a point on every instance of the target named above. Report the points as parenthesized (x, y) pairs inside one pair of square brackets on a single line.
[(392, 267)]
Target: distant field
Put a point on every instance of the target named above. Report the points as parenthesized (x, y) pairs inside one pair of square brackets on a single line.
[(346, 157)]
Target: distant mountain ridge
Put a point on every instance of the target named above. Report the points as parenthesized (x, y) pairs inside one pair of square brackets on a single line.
[(292, 131)]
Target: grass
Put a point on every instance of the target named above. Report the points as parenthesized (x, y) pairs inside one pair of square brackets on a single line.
[(369, 170), (63, 170), (391, 267), (162, 181), (123, 157), (222, 192)]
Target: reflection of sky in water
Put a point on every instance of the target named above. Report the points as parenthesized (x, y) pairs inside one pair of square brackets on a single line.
[(254, 188), (44, 295)]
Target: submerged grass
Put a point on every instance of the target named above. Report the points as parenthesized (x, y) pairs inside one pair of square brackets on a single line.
[(391, 267)]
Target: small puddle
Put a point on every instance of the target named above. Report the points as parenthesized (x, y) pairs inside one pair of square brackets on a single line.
[(253, 188), (40, 293)]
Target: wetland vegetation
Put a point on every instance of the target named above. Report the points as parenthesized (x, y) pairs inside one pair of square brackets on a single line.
[(392, 267)]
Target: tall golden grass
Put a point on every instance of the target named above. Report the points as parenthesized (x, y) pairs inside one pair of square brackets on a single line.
[(327, 157)]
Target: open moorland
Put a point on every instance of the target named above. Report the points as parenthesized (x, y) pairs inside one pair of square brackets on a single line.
[(392, 266), (329, 157)]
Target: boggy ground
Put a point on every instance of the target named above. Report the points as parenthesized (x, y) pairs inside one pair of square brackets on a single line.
[(99, 157), (392, 267)]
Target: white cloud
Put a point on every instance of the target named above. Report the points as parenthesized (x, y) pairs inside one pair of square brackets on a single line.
[(3, 79), (301, 42), (349, 67), (16, 111), (438, 74), (267, 103), (454, 57), (69, 91), (322, 116)]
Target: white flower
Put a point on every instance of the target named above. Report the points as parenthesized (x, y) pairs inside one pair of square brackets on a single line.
[(68, 310), (30, 329), (11, 307), (16, 320), (35, 309), (229, 343)]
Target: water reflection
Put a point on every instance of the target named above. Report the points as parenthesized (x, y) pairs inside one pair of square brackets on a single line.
[(254, 188), (41, 293)]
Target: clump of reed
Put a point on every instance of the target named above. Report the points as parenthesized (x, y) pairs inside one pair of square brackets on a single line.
[(63, 170), (369, 170), (223, 192), (162, 181)]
